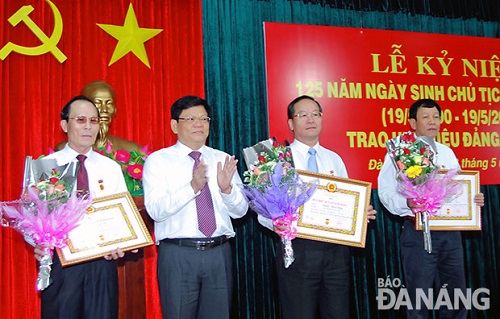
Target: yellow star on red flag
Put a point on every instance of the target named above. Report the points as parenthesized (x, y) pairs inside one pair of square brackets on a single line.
[(130, 37)]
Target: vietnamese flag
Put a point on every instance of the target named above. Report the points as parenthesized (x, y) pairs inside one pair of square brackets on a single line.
[(150, 52)]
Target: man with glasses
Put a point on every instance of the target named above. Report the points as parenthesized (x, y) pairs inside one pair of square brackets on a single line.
[(316, 284), (191, 191), (87, 290), (104, 97)]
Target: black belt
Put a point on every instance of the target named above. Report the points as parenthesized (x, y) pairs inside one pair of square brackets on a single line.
[(198, 243), (410, 218)]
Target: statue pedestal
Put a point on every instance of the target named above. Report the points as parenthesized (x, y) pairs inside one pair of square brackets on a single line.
[(131, 278)]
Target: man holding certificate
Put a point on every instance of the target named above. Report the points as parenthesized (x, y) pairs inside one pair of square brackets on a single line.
[(443, 265), (316, 284), (192, 191), (88, 290)]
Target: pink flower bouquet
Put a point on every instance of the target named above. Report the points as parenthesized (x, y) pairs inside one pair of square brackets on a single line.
[(47, 210), (419, 179)]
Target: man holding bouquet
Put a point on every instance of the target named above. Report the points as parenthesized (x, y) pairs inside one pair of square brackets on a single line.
[(444, 267), (316, 284), (87, 290)]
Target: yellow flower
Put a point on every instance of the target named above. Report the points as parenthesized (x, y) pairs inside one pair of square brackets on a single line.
[(414, 171)]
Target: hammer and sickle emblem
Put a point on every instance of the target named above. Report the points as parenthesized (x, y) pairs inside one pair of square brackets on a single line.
[(48, 44)]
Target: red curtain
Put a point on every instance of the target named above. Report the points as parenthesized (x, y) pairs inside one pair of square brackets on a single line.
[(34, 89)]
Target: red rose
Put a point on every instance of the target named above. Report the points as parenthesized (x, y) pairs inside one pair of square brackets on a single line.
[(53, 180), (122, 156), (408, 137), (406, 151), (262, 159), (422, 150), (135, 170)]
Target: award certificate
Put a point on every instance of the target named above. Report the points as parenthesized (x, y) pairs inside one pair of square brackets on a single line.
[(459, 213), (336, 212), (111, 222)]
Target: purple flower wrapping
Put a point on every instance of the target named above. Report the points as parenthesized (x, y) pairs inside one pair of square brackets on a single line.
[(279, 198), (276, 191)]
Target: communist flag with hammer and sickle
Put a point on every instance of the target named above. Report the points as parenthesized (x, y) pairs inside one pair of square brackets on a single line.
[(150, 52)]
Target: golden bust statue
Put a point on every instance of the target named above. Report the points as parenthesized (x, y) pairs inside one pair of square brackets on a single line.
[(104, 98)]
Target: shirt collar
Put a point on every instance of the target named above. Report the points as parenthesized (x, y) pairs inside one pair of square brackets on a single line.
[(185, 150), (303, 148), (69, 154)]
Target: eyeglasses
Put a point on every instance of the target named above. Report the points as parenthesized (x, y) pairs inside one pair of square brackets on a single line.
[(83, 119), (303, 115), (191, 119)]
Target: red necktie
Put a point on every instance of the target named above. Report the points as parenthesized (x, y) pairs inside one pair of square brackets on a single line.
[(82, 178), (204, 204)]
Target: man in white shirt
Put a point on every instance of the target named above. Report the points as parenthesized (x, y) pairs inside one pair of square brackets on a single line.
[(87, 290), (191, 191), (316, 284), (444, 267)]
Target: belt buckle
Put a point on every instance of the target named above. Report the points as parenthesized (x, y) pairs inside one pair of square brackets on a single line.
[(203, 245)]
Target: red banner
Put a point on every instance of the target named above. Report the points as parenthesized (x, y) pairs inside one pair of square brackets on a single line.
[(366, 80)]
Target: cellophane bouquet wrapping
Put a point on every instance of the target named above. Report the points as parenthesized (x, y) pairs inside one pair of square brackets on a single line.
[(275, 189), (419, 179), (132, 164), (47, 210)]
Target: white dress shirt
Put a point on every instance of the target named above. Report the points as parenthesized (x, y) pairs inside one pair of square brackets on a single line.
[(105, 175), (170, 199), (388, 185), (329, 163)]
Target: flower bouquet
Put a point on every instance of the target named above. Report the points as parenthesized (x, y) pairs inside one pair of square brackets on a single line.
[(47, 209), (275, 189), (417, 174), (132, 164)]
